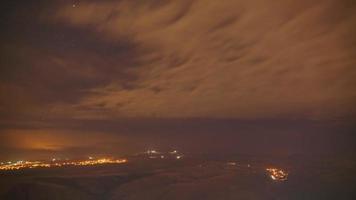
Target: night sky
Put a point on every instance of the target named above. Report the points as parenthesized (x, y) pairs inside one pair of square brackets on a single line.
[(114, 77)]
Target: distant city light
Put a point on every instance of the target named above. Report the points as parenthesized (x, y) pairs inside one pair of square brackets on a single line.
[(277, 174), (38, 164), (152, 152), (174, 152)]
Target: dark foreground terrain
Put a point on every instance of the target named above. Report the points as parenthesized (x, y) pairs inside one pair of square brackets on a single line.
[(188, 178)]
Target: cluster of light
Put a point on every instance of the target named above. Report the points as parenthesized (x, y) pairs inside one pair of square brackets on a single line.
[(153, 154), (231, 163), (91, 161), (23, 164), (38, 164), (277, 174)]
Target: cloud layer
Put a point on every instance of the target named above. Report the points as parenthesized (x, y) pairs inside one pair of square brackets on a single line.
[(229, 59)]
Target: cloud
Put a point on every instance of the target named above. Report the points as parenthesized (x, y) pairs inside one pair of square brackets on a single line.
[(178, 59), (230, 59)]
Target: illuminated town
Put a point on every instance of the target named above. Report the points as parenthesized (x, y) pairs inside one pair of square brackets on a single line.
[(58, 163), (17, 165), (277, 174)]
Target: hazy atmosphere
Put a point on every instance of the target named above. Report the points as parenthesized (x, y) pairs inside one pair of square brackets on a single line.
[(177, 99), (230, 76)]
